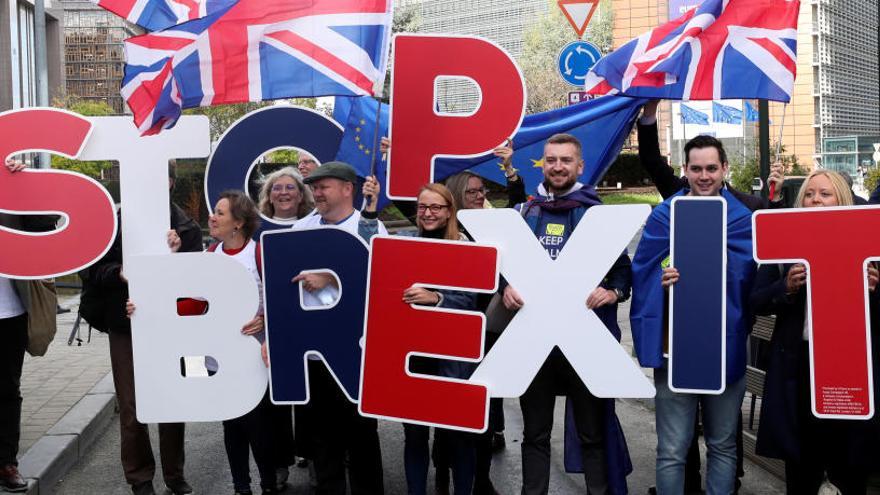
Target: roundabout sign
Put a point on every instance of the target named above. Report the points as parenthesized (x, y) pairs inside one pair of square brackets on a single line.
[(575, 60)]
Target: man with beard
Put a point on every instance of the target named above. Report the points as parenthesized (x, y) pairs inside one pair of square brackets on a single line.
[(553, 215)]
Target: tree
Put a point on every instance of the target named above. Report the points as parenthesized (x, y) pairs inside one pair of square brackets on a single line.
[(541, 45), (89, 108), (223, 116), (742, 171), (406, 20)]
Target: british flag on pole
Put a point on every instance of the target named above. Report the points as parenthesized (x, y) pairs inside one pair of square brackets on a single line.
[(720, 49), (253, 50)]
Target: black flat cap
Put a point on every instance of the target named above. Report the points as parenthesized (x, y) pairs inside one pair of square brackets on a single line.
[(335, 170)]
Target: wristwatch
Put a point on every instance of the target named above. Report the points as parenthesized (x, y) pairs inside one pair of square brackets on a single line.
[(620, 295)]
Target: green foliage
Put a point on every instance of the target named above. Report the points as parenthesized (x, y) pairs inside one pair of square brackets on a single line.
[(740, 174), (541, 45), (406, 20), (742, 171), (872, 179), (89, 108), (283, 156), (631, 198), (221, 117)]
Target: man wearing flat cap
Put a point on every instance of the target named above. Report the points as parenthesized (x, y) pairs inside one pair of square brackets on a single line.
[(339, 431)]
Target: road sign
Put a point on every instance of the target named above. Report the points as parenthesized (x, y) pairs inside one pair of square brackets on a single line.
[(575, 97), (578, 13), (575, 60)]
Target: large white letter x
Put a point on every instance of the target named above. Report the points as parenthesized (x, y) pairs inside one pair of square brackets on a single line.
[(555, 293)]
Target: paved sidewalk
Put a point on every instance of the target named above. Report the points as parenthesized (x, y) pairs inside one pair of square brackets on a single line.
[(67, 401)]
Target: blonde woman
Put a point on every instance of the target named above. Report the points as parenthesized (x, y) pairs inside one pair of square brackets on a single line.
[(284, 198), (813, 449)]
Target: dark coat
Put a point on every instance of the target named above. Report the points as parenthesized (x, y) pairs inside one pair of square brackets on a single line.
[(780, 434), (668, 183), (104, 275)]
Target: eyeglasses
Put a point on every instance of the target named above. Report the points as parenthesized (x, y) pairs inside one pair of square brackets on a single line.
[(476, 192), (435, 209), (282, 187)]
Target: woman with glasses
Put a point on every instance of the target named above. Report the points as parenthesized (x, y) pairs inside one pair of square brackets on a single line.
[(470, 191), (435, 219), (284, 198), (841, 451)]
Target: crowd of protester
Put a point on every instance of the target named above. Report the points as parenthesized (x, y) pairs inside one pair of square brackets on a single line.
[(342, 448)]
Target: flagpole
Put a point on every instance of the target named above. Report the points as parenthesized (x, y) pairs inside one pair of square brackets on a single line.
[(375, 139), (743, 123), (375, 148), (781, 126)]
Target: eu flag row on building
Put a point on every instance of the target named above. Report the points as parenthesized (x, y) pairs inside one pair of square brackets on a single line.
[(722, 114)]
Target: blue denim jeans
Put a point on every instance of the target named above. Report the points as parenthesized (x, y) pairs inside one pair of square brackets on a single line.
[(675, 429)]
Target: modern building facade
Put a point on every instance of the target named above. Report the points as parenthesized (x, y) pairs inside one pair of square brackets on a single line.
[(95, 56), (836, 89), (846, 88), (18, 86)]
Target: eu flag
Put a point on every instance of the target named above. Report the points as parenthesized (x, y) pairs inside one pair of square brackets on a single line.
[(726, 114), (358, 115), (751, 112), (601, 124), (691, 116)]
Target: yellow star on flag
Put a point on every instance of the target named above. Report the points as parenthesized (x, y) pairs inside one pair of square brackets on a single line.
[(538, 163), (357, 138), (366, 152), (360, 146), (357, 129), (363, 122)]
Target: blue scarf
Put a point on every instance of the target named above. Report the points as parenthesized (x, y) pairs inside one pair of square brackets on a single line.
[(648, 309)]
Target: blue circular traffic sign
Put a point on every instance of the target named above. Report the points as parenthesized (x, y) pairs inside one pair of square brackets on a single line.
[(575, 60)]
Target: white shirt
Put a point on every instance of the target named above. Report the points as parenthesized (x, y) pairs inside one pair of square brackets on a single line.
[(248, 258), (10, 304), (328, 295)]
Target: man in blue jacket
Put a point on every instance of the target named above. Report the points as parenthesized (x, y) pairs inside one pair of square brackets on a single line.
[(705, 169), (552, 216)]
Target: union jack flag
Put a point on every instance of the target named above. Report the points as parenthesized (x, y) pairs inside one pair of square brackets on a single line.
[(720, 49), (254, 50), (154, 15)]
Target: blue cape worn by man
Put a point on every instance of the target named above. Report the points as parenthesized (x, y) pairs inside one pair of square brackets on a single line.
[(648, 313)]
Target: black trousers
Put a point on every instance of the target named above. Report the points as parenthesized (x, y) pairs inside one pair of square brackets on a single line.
[(824, 447), (14, 334), (251, 432), (283, 445), (339, 430), (557, 377)]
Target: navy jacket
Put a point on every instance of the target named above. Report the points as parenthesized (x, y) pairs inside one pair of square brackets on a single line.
[(780, 433)]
